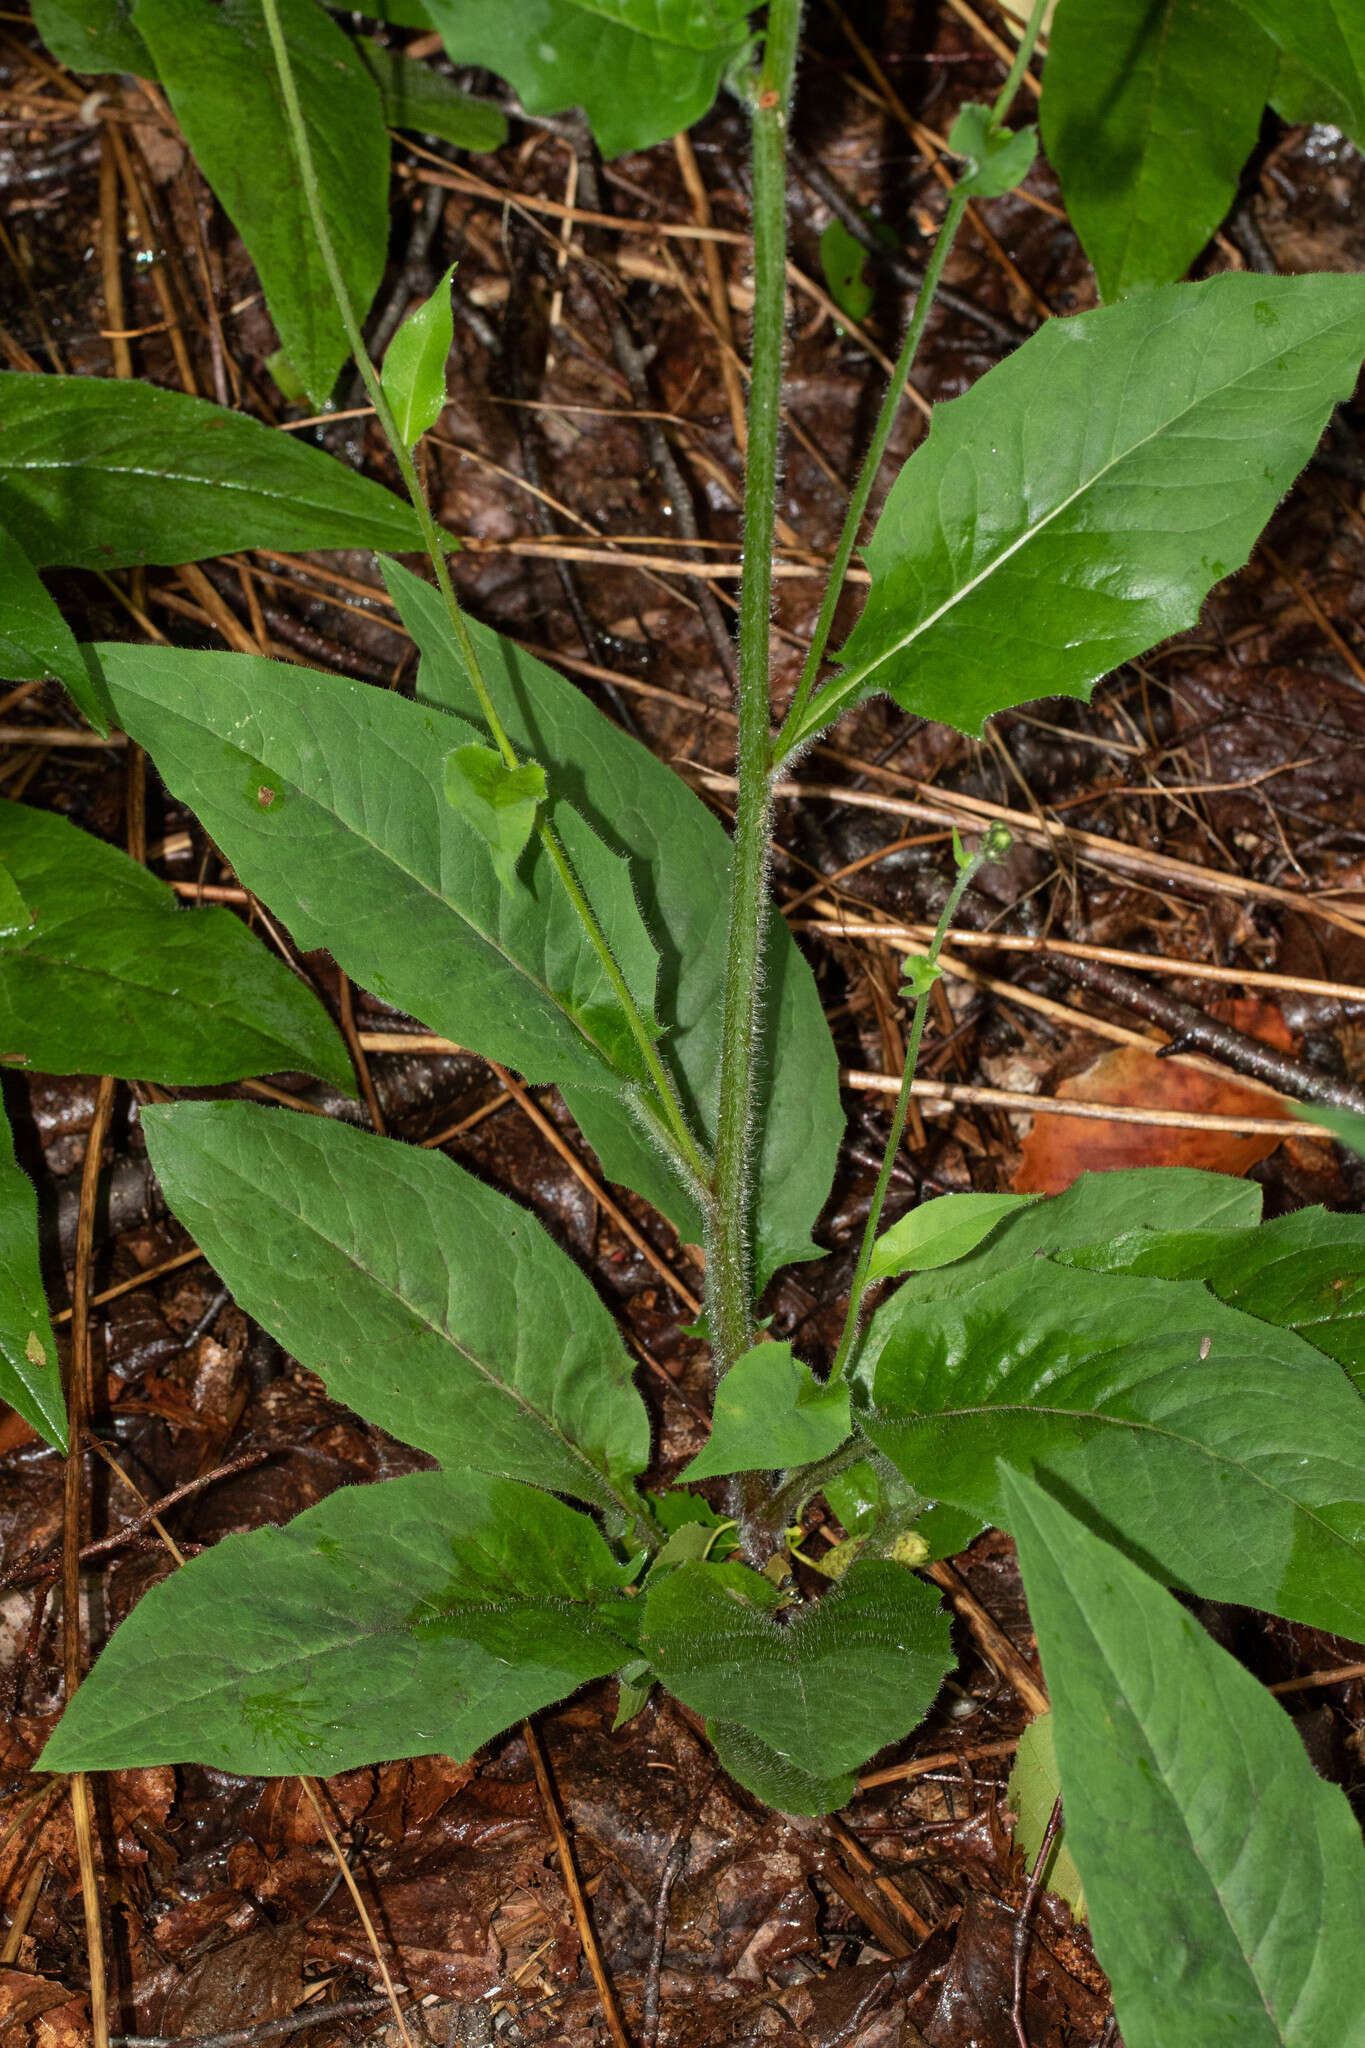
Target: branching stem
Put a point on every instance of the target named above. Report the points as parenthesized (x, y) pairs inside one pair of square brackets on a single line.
[(993, 847), (676, 1132)]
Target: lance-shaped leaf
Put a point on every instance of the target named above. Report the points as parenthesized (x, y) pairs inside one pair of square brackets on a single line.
[(35, 639), (1228, 1455), (679, 862), (640, 69), (111, 976), (1149, 113), (1347, 1126), (1225, 1880), (100, 473), (1322, 72), (215, 61), (827, 1687), (416, 97), (939, 1231), (29, 1378), (1098, 1208), (424, 1614), (1304, 1272), (430, 1303), (770, 1410), (327, 796), (1074, 508), (415, 364), (92, 35)]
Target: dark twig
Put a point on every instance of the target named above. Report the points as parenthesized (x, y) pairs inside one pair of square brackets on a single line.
[(1193, 1030), (894, 262), (264, 2030), (1024, 1923), (674, 1864)]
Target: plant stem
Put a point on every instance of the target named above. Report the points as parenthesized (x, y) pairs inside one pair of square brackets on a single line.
[(729, 1255), (993, 847), (677, 1129), (791, 734)]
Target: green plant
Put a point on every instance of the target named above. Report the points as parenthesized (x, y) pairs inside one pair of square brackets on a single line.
[(500, 862)]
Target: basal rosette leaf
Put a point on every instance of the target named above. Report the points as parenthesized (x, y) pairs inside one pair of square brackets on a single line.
[(112, 976), (215, 60), (641, 70), (104, 473), (1076, 505), (770, 1411), (1226, 1454), (824, 1688), (1225, 1881), (422, 1614), (328, 798), (430, 1303), (679, 856), (1304, 1272)]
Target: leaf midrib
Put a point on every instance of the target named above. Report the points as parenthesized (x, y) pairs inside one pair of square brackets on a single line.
[(849, 679), (604, 1493), (384, 855), (1098, 1415)]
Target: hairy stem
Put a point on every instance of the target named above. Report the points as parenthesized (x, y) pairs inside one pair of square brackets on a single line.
[(729, 1255), (791, 733), (676, 1131), (993, 847)]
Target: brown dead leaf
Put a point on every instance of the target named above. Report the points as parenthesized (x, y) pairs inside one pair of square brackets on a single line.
[(1057, 1148)]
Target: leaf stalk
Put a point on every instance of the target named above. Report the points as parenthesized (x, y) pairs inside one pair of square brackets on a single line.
[(677, 1129)]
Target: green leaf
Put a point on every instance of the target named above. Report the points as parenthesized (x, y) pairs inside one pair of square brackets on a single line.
[(30, 1380), (1097, 1207), (641, 70), (843, 259), (1322, 43), (424, 1614), (499, 802), (414, 96), (919, 975), (92, 35), (101, 473), (215, 61), (1149, 112), (113, 977), (938, 1232), (414, 377), (1347, 1126), (774, 1778), (1225, 1880), (1226, 1454), (358, 850), (826, 1688), (997, 158), (1034, 1787), (1080, 500), (428, 1302), (35, 639), (1304, 1272), (771, 1411), (679, 862)]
